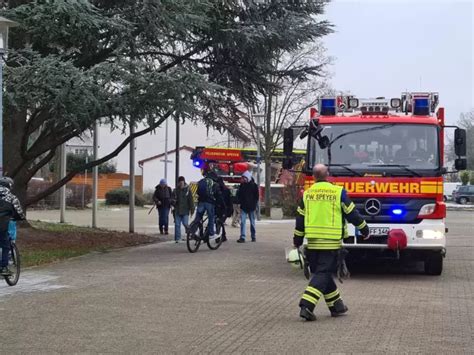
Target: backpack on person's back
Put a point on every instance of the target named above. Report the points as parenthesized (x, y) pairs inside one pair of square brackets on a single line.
[(206, 190)]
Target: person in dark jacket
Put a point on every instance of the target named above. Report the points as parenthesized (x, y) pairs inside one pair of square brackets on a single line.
[(248, 197), (162, 198), (224, 208), (10, 208), (183, 206), (209, 194)]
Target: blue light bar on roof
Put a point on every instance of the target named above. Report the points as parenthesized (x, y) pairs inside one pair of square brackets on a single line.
[(421, 106), (328, 107)]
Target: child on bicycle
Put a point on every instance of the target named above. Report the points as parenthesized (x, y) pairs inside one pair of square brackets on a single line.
[(10, 208)]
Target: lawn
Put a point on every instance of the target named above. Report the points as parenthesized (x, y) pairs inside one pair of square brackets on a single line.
[(43, 243)]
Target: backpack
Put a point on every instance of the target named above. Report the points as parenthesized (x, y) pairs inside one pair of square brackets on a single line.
[(205, 190)]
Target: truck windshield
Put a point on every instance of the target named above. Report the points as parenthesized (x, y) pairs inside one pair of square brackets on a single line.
[(397, 149)]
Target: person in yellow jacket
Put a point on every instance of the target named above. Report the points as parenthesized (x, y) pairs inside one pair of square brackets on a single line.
[(321, 219)]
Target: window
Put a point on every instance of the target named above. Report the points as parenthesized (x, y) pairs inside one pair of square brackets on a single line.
[(364, 147)]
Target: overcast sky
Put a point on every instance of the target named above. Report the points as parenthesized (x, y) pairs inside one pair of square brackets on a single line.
[(380, 48)]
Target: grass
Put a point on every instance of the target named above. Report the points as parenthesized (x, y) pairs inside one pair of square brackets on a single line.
[(40, 257), (45, 243), (62, 227)]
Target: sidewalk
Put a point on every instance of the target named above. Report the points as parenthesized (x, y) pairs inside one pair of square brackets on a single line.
[(240, 299)]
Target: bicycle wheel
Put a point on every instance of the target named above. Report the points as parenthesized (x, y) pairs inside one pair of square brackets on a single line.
[(193, 237), (13, 265), (216, 242)]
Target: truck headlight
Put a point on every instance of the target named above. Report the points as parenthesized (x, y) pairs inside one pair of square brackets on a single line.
[(429, 234), (427, 209)]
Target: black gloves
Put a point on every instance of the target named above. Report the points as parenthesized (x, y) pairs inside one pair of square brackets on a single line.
[(365, 232), (298, 241)]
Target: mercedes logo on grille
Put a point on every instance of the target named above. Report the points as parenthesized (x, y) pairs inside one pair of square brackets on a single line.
[(373, 207)]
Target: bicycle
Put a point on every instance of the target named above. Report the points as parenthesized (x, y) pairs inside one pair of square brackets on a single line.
[(14, 259), (198, 232)]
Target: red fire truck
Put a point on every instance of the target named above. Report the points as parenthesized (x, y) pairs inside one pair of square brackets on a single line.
[(388, 154)]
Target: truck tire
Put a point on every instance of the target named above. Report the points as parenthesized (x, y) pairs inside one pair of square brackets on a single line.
[(434, 264), (463, 200)]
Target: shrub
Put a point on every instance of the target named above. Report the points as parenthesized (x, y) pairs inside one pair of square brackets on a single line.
[(121, 197), (465, 177), (148, 197), (471, 180)]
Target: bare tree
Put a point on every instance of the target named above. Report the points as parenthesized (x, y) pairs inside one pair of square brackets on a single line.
[(287, 106)]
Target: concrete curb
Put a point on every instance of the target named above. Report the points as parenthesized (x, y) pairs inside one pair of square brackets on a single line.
[(460, 208)]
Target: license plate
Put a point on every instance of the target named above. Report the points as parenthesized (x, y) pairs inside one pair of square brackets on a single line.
[(379, 231), (376, 231)]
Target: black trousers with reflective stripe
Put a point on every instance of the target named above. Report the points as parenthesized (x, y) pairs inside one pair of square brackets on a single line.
[(323, 264)]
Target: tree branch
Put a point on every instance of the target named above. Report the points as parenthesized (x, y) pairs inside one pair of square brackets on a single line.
[(45, 160), (184, 57), (91, 164)]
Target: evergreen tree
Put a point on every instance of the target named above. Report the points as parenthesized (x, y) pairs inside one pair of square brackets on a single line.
[(126, 62)]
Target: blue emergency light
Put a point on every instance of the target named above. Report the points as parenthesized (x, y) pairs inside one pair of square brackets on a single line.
[(397, 211), (421, 106), (197, 163), (328, 107)]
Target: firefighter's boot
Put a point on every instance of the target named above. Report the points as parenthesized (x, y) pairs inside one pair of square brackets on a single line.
[(338, 309), (305, 313)]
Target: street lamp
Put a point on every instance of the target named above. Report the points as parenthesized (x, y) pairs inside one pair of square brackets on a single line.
[(5, 24), (258, 120)]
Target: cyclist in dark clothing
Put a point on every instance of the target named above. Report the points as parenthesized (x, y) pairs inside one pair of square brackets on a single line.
[(209, 195), (10, 208)]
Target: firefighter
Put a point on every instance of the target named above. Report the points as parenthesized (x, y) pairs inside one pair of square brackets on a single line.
[(321, 219)]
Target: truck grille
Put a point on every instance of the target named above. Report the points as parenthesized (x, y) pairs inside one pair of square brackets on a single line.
[(409, 206)]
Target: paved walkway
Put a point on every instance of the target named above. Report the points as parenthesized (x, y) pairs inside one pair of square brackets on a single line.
[(239, 299)]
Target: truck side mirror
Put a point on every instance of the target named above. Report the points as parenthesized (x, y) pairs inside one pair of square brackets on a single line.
[(460, 144), (460, 164)]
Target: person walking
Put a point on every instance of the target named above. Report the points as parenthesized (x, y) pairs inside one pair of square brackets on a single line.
[(162, 198), (236, 207), (248, 198), (183, 206), (321, 219)]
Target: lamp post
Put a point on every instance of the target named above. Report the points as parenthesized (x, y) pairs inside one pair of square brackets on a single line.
[(5, 24), (258, 120)]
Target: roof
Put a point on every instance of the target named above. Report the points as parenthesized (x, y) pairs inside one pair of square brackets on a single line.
[(184, 147)]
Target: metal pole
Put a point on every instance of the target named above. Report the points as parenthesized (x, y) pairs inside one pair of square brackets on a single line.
[(166, 150), (95, 176), (1, 114), (62, 190), (131, 202), (177, 153), (85, 183), (259, 158)]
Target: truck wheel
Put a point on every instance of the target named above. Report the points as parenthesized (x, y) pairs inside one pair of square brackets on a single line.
[(434, 264), (463, 200)]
